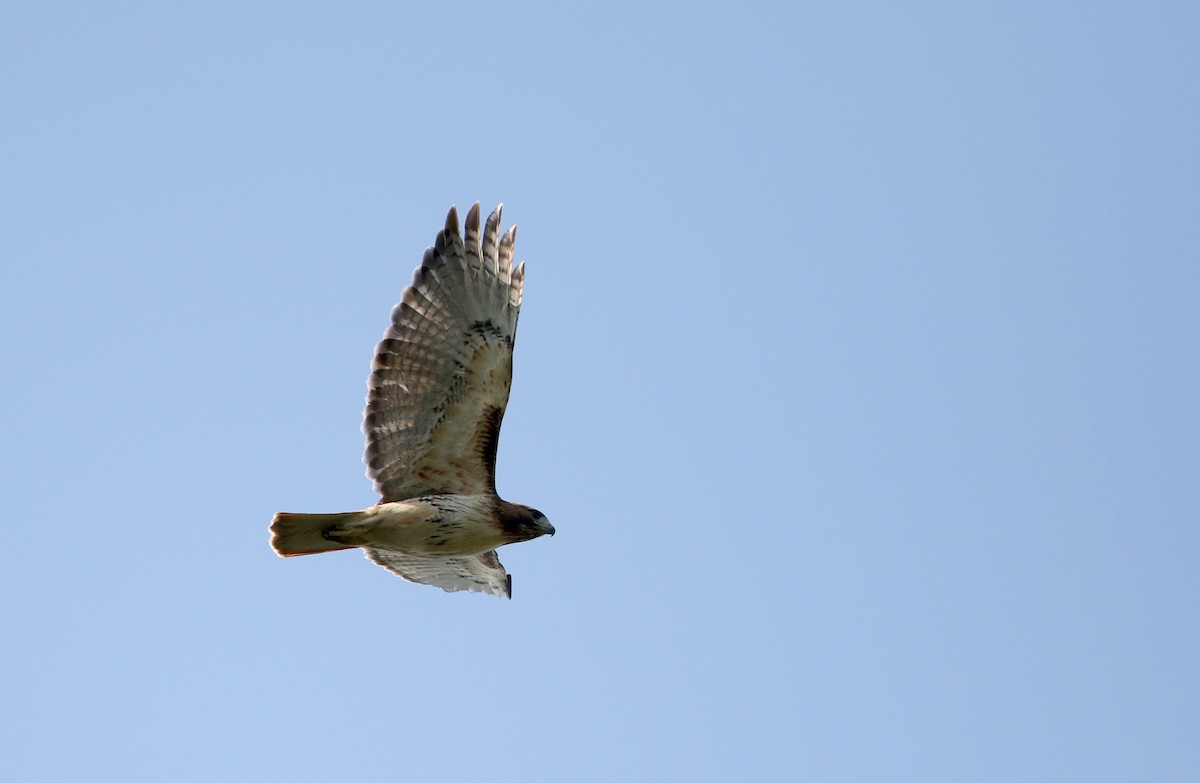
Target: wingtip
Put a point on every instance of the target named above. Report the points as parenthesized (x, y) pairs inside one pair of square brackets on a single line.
[(452, 219), (473, 217), (507, 241), (491, 241)]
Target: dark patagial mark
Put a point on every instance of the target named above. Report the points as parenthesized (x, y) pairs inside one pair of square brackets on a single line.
[(487, 441)]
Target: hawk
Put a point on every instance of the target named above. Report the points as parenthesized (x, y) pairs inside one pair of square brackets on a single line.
[(436, 396)]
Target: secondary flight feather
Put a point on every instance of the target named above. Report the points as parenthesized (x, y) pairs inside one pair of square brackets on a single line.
[(436, 396)]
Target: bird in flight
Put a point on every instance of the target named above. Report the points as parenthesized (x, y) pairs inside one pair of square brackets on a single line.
[(436, 396)]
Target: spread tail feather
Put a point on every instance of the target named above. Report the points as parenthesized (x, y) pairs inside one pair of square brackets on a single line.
[(304, 534)]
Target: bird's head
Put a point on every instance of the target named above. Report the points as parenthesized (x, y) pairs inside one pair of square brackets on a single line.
[(522, 523)]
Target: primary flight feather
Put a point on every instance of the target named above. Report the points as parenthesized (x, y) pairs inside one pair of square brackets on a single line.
[(437, 392)]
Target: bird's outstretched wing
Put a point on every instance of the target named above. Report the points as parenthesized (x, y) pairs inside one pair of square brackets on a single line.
[(477, 573), (441, 375)]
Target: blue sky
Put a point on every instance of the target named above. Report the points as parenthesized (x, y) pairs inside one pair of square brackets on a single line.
[(857, 370)]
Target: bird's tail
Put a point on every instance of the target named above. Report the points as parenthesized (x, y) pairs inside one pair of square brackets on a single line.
[(304, 534)]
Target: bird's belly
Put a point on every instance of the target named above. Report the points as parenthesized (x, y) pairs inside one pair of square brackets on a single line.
[(415, 528)]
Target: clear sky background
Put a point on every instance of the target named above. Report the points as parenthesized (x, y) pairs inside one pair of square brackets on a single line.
[(858, 370)]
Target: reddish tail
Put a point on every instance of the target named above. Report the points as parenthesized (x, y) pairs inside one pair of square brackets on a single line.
[(303, 534)]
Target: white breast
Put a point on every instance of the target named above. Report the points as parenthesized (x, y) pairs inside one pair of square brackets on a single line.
[(445, 525)]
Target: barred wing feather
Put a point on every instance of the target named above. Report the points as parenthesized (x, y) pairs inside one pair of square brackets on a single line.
[(477, 573), (441, 375)]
